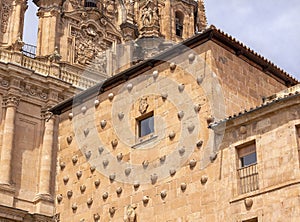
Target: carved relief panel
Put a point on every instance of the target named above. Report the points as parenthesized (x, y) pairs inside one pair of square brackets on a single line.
[(90, 47), (5, 10)]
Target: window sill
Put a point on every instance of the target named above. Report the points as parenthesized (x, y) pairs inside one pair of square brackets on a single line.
[(142, 141)]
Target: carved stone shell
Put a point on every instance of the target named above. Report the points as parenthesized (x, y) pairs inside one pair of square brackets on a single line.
[(70, 116), (96, 216), (197, 108), (97, 182), (96, 103), (181, 87), (153, 178), (86, 131), (74, 206), (59, 198), (112, 210), (119, 156), (103, 123), (111, 96), (79, 174), (89, 201), (69, 193), (172, 66), (172, 172), (105, 162), (127, 171), (183, 186), (199, 143), (192, 163), (65, 179), (114, 143), (146, 199), (88, 154), (204, 179), (69, 139), (121, 115), (136, 184), (129, 87), (82, 188), (192, 57), (248, 202), (83, 109), (92, 168), (191, 127), (62, 165), (105, 195), (172, 135), (119, 190), (112, 177), (163, 194), (164, 96), (74, 159), (155, 74), (180, 114), (181, 151)]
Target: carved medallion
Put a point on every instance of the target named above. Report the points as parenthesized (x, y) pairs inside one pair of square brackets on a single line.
[(143, 105)]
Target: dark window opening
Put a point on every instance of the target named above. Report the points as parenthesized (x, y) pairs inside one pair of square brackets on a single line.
[(90, 3), (247, 169), (179, 23), (146, 125)]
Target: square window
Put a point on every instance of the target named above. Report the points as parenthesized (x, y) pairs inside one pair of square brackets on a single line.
[(146, 125)]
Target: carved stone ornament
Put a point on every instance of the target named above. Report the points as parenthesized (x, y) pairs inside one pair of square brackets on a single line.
[(181, 151), (181, 87), (70, 116), (114, 143), (145, 199), (96, 217), (130, 215), (172, 172), (127, 171), (172, 135), (192, 163), (92, 169), (74, 159), (199, 144), (88, 154), (155, 74), (83, 109), (143, 105), (129, 87), (243, 130), (121, 115), (59, 198), (153, 178), (90, 49), (204, 179), (79, 174), (62, 165), (69, 139), (89, 201), (163, 194), (97, 183), (69, 193), (192, 57), (180, 114), (65, 179), (183, 186), (119, 156), (74, 207), (112, 177), (104, 195), (172, 66), (96, 103), (111, 96), (5, 12), (149, 14), (136, 184), (164, 96), (112, 211), (86, 132), (119, 190), (100, 150), (103, 123), (82, 188), (248, 202)]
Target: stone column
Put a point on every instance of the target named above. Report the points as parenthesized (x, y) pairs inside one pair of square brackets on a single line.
[(46, 155), (8, 139)]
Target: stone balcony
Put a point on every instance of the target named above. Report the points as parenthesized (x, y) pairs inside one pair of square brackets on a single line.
[(78, 77)]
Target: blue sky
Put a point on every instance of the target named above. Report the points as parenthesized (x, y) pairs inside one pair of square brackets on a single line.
[(269, 27)]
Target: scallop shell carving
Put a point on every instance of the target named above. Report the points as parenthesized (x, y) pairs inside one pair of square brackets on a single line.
[(136, 184), (97, 182), (192, 163), (96, 216), (181, 151), (172, 135), (66, 179), (146, 199), (83, 109), (155, 74), (112, 177), (197, 108), (74, 206), (172, 66), (172, 172), (79, 174), (114, 143), (181, 87), (121, 115), (96, 103), (191, 127), (180, 114), (112, 210), (100, 150), (86, 132), (69, 139), (88, 154), (192, 57), (105, 195), (200, 79), (183, 186), (129, 87), (105, 163), (59, 198), (119, 156), (82, 188), (103, 123), (248, 202), (153, 178), (75, 159), (204, 179), (111, 96), (92, 169), (163, 194), (199, 143), (127, 171), (69, 193), (89, 201), (62, 165), (164, 96), (119, 190)]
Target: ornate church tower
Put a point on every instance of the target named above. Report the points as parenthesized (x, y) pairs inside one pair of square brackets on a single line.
[(89, 33), (12, 21)]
